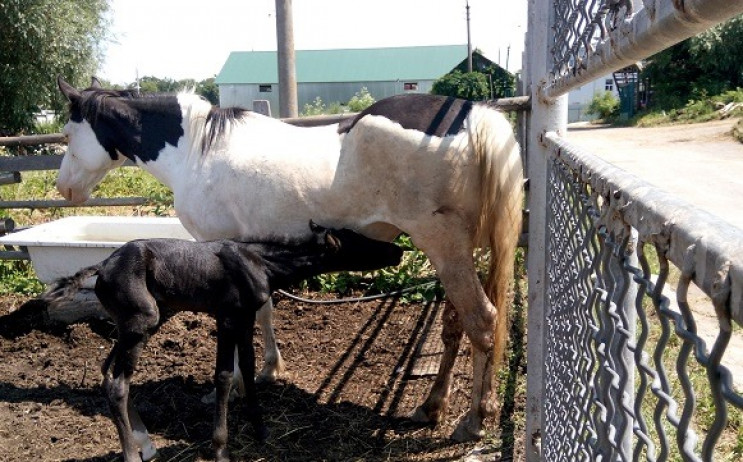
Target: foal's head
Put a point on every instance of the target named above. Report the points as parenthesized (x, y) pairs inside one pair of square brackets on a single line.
[(350, 251)]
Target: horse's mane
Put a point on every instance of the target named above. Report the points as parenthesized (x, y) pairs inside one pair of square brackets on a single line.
[(207, 123), (218, 120)]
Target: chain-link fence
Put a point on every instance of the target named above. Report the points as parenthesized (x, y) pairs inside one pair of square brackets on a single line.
[(618, 368)]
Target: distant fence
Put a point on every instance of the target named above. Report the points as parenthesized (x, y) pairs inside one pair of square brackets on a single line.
[(603, 383)]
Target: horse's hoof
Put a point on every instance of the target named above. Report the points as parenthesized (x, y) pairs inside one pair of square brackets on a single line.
[(222, 455), (420, 416), (149, 455), (269, 375), (426, 416), (465, 431)]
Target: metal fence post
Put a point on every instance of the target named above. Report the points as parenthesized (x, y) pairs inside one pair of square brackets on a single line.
[(545, 116)]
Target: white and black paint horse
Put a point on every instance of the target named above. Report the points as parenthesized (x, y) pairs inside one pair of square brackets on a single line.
[(445, 171), (145, 282)]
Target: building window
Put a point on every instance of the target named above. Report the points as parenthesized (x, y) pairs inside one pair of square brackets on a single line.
[(609, 85), (265, 88), (410, 86)]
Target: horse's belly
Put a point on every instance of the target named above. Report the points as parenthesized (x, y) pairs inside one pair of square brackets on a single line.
[(253, 202)]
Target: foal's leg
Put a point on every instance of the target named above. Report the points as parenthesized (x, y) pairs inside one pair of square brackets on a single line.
[(273, 364), (117, 375), (247, 364), (455, 266), (434, 408), (223, 380)]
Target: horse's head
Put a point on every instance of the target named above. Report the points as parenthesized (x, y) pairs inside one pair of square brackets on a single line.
[(91, 151), (350, 251)]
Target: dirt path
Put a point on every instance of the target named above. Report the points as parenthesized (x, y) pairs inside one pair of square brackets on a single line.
[(702, 164)]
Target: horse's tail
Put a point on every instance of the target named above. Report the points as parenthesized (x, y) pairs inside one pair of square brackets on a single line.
[(67, 286), (499, 225)]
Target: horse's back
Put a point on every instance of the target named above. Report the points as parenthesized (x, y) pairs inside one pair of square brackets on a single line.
[(417, 161)]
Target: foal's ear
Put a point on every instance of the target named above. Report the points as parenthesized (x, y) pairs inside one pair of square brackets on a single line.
[(332, 241), (70, 92), (95, 83), (315, 228)]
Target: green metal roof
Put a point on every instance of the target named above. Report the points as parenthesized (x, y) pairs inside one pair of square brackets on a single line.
[(348, 65)]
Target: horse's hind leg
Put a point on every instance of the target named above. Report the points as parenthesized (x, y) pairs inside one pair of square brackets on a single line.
[(434, 408), (456, 270), (273, 364)]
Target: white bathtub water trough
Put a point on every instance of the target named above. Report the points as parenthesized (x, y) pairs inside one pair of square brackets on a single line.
[(62, 247)]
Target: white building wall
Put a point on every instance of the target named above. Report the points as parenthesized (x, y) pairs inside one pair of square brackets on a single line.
[(243, 95)]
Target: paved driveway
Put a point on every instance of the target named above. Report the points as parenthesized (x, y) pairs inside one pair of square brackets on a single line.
[(701, 163)]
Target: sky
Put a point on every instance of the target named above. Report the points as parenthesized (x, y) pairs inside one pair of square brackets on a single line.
[(182, 39)]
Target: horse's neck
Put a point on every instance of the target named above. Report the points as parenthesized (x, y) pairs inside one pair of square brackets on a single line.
[(180, 141)]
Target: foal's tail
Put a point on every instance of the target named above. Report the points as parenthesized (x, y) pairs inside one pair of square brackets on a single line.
[(499, 226), (66, 287)]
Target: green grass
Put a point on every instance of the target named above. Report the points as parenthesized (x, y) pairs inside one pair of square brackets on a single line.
[(730, 444), (703, 109)]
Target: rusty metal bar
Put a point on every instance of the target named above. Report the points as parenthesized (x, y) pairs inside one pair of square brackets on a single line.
[(95, 202)]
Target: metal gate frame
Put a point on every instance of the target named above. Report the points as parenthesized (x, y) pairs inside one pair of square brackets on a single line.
[(590, 223)]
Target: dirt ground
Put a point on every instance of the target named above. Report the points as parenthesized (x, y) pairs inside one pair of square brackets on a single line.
[(354, 374)]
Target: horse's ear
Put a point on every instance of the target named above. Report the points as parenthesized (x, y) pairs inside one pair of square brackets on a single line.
[(68, 90), (95, 83)]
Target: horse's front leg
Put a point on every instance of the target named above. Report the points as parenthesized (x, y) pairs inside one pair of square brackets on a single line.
[(223, 380), (434, 408), (273, 364)]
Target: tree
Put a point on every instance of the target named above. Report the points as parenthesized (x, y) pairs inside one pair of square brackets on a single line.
[(707, 64), (209, 90), (468, 85), (719, 53), (40, 39)]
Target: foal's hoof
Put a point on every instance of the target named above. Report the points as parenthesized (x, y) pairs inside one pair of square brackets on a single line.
[(262, 434), (211, 398), (467, 431)]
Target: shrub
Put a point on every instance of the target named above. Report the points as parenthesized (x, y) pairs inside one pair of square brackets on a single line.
[(361, 100), (317, 107), (605, 105)]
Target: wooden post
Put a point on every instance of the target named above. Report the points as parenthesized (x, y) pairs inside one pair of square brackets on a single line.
[(287, 68)]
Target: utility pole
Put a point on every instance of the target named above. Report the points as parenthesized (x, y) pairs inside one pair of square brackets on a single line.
[(286, 60), (469, 40)]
